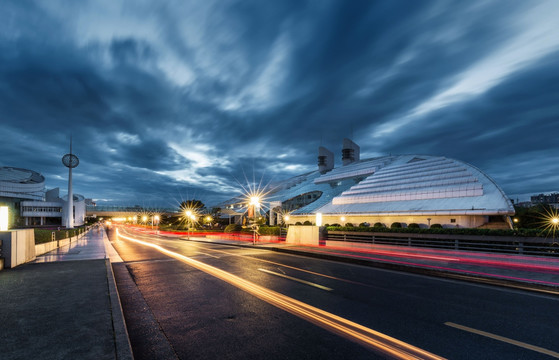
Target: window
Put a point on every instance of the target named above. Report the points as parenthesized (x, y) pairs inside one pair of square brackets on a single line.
[(452, 220)]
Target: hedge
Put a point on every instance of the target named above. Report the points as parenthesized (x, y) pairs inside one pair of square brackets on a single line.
[(448, 231), (233, 228), (43, 236)]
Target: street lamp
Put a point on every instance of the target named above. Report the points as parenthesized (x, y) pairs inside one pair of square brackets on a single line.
[(3, 218), (318, 219), (255, 203)]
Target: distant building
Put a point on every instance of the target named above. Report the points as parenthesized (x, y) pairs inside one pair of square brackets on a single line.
[(546, 199), (23, 191), (419, 189)]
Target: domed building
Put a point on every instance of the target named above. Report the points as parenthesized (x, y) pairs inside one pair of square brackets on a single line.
[(420, 189), (23, 191)]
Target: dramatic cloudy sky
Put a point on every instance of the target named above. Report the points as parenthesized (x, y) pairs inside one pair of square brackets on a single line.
[(181, 99)]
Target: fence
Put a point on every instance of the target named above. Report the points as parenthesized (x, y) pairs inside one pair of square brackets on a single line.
[(499, 244)]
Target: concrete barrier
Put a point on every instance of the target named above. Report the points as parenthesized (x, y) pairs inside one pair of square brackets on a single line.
[(44, 248), (304, 235), (18, 246)]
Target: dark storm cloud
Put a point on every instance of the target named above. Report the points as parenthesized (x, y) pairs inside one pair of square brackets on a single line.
[(512, 122), (174, 98)]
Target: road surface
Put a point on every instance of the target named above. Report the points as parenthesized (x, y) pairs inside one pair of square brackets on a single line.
[(191, 300)]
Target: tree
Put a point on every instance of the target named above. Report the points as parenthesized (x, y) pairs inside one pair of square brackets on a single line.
[(193, 204)]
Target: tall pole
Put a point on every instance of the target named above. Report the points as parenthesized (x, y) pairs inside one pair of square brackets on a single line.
[(70, 161), (70, 212)]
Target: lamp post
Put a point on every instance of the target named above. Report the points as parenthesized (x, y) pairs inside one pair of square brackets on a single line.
[(188, 214), (255, 203)]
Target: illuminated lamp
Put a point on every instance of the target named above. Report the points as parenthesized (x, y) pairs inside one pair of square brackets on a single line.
[(3, 218), (318, 219)]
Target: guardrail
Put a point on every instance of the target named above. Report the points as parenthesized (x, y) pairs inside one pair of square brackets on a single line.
[(500, 244)]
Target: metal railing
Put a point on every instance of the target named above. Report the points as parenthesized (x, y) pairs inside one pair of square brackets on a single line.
[(499, 244)]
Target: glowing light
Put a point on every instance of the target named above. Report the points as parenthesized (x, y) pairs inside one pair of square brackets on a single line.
[(286, 217), (342, 218), (374, 340), (515, 220), (3, 218), (144, 218), (254, 200), (156, 217), (188, 213), (550, 221), (318, 219)]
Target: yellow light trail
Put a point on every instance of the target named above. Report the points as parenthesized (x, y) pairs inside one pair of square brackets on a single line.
[(372, 339), (280, 264)]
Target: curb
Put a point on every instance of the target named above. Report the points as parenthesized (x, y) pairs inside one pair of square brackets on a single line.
[(123, 347), (122, 342)]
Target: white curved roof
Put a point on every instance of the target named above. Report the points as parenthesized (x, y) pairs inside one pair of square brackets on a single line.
[(404, 184), (21, 176), (21, 183)]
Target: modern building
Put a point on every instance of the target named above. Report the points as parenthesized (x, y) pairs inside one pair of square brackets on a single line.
[(23, 191), (407, 189), (545, 199)]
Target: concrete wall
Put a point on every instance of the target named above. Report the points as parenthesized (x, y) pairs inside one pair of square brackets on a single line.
[(18, 247), (303, 235), (41, 249)]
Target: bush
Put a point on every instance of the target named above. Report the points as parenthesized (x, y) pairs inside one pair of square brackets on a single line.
[(364, 224), (335, 225), (413, 226), (326, 225), (349, 225), (233, 228), (378, 225), (307, 223), (44, 235), (436, 226), (298, 223), (269, 230), (396, 225)]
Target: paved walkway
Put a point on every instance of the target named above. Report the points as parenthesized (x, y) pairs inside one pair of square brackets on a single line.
[(64, 305)]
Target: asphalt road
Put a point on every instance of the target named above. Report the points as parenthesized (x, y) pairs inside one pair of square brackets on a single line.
[(178, 308)]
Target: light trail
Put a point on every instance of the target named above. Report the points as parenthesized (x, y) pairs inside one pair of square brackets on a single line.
[(521, 267), (372, 339), (390, 261), (285, 266), (318, 286), (504, 339)]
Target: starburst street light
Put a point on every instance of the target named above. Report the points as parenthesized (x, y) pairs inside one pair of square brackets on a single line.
[(550, 221)]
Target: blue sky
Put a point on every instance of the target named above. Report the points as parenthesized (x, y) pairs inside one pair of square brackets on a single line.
[(171, 100)]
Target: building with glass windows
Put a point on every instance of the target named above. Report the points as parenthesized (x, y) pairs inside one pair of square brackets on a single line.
[(23, 191)]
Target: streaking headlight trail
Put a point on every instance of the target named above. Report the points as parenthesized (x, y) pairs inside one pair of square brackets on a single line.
[(372, 339)]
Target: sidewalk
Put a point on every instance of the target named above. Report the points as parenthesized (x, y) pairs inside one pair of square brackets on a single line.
[(534, 273), (64, 305)]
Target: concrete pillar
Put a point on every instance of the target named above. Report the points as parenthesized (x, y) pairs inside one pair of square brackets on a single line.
[(272, 217)]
